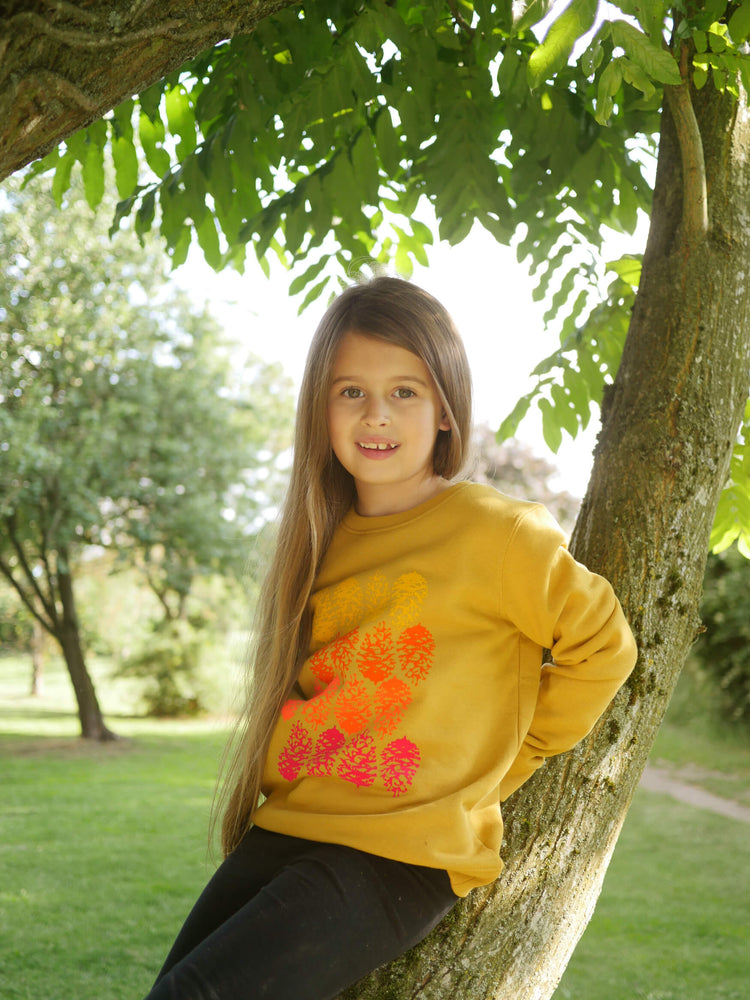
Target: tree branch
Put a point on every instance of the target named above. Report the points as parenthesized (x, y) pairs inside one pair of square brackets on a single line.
[(62, 67), (694, 193), (7, 572)]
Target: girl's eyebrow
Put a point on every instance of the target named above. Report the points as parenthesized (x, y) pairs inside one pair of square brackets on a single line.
[(392, 378)]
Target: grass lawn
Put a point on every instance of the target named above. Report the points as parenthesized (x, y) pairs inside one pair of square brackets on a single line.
[(103, 849)]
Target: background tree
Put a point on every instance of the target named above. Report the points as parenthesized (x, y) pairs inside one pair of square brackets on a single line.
[(512, 467), (343, 112), (120, 424)]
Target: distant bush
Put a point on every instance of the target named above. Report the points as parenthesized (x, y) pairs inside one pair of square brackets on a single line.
[(723, 651), (168, 661), (16, 624)]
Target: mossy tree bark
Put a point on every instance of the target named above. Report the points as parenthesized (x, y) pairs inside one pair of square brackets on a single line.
[(63, 65), (668, 427)]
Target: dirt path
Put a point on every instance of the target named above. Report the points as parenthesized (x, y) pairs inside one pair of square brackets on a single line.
[(657, 779)]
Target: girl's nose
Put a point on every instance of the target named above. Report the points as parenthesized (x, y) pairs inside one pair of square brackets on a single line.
[(376, 414)]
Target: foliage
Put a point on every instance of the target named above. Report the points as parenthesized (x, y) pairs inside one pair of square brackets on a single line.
[(16, 624), (126, 423), (723, 650), (732, 522), (317, 136), (168, 661), (322, 136)]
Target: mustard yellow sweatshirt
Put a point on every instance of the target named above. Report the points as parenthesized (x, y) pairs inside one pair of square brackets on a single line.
[(426, 703)]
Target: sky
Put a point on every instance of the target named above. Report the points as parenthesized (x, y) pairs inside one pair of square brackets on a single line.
[(485, 289)]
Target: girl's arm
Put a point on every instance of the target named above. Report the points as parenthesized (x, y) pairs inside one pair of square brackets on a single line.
[(574, 613)]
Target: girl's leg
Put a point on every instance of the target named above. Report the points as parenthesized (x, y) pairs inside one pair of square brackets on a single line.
[(259, 856), (330, 916)]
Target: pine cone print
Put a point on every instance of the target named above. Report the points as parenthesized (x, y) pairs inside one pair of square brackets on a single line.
[(321, 666), (342, 651), (358, 762), (352, 707), (289, 708), (415, 650), (376, 658), (409, 592), (318, 710), (337, 611), (400, 761), (326, 749), (296, 751), (391, 699), (377, 594)]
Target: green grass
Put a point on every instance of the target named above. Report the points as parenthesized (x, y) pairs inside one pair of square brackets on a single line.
[(103, 849)]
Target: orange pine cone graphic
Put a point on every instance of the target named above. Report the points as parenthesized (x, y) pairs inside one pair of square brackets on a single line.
[(416, 647), (392, 697), (377, 658)]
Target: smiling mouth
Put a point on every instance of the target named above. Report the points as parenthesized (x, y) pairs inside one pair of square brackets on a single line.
[(376, 447)]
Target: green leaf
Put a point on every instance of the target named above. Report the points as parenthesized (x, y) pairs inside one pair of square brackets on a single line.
[(180, 119), (739, 23), (93, 174), (151, 134), (510, 424), (125, 160), (555, 50), (609, 83), (531, 14), (592, 58), (304, 279), (628, 268), (657, 62), (145, 214), (700, 76), (638, 78), (388, 142), (61, 180), (550, 425), (208, 240), (313, 294)]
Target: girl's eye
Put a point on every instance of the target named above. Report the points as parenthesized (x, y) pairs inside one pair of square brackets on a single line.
[(404, 393), (352, 392)]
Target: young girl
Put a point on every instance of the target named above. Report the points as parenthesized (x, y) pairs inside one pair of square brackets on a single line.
[(398, 694)]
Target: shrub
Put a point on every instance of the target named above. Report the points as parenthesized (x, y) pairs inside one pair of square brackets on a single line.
[(723, 651)]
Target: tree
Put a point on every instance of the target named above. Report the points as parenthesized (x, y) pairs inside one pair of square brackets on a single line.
[(345, 115), (119, 424), (513, 468)]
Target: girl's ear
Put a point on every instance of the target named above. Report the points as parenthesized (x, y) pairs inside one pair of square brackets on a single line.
[(444, 424)]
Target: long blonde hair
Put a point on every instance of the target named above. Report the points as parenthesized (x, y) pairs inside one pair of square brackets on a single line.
[(319, 494)]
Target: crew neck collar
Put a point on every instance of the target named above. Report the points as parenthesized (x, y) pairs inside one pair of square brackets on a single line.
[(360, 524)]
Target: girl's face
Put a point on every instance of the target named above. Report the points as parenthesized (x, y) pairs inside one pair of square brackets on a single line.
[(384, 414)]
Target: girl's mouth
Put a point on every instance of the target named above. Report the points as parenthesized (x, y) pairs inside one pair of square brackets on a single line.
[(377, 450)]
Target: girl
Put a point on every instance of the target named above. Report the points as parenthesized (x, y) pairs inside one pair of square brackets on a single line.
[(398, 694)]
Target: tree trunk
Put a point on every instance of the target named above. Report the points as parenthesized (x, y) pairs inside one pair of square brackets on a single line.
[(63, 65), (669, 424), (38, 638), (68, 635)]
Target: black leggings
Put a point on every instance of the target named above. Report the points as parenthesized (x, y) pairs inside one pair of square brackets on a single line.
[(291, 919)]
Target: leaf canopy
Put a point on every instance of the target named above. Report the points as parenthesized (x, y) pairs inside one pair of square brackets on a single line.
[(321, 137)]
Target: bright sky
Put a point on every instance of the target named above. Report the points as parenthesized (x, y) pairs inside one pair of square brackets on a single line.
[(484, 288)]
